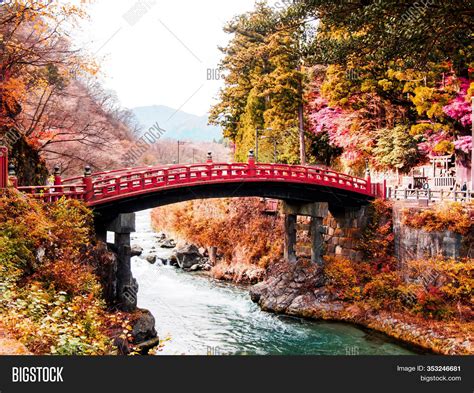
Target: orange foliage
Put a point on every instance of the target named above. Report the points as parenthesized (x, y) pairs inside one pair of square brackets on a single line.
[(48, 95), (235, 226), (434, 289), (52, 299), (341, 278), (445, 217), (377, 241)]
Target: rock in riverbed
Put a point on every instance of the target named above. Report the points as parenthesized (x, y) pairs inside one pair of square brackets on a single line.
[(136, 250), (188, 256), (144, 335), (151, 258), (160, 236), (170, 243), (289, 287)]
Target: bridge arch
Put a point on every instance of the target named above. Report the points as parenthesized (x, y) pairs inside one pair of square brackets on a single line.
[(293, 192)]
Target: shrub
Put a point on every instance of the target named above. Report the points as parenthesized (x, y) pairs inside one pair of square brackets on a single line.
[(382, 291), (445, 285), (341, 278), (435, 288), (378, 240), (445, 217), (51, 299)]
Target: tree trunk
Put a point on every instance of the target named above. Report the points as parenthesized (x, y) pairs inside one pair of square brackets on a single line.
[(301, 120)]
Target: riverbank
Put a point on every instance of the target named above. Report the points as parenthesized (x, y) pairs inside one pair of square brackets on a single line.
[(58, 286), (298, 290)]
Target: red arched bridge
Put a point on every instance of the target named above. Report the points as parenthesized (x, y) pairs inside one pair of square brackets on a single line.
[(306, 190), (133, 189)]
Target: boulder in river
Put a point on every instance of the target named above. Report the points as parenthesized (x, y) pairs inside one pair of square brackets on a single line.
[(151, 258), (136, 250), (206, 267), (195, 268), (160, 236), (188, 256), (173, 261), (144, 334), (290, 287), (170, 243)]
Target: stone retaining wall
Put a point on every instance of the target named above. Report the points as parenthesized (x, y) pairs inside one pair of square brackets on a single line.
[(412, 243), (344, 229)]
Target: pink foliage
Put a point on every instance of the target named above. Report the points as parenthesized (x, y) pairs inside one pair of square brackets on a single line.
[(464, 143), (428, 146), (337, 124), (459, 108), (326, 120)]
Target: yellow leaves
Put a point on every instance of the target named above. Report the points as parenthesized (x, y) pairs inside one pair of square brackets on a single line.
[(435, 111), (368, 85), (385, 84), (341, 278), (429, 128), (444, 148), (470, 90), (396, 74), (429, 101)]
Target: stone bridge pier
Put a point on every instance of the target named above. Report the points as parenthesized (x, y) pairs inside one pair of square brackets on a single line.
[(318, 212), (126, 286), (335, 231)]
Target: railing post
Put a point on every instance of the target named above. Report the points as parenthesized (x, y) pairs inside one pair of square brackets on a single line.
[(13, 180), (118, 187), (209, 165), (87, 179), (384, 191), (3, 167), (251, 164), (57, 176), (367, 178)]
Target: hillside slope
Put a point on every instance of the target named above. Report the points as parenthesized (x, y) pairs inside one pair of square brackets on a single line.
[(179, 125)]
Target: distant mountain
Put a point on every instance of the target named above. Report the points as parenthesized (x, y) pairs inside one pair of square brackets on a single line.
[(178, 125)]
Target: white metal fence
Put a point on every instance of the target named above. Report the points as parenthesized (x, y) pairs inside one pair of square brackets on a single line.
[(430, 195)]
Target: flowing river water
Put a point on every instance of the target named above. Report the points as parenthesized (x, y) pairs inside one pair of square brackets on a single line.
[(203, 316)]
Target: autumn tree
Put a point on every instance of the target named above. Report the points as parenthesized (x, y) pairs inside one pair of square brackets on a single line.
[(263, 86), (49, 99), (390, 64)]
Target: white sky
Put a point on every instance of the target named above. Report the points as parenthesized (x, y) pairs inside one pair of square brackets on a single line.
[(161, 59)]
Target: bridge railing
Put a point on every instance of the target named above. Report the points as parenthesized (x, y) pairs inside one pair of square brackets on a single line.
[(104, 174), (94, 187), (170, 176), (54, 193), (430, 195)]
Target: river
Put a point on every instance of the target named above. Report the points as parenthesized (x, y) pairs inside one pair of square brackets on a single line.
[(202, 316)]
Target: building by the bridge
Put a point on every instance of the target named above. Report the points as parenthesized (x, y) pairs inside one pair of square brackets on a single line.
[(440, 173)]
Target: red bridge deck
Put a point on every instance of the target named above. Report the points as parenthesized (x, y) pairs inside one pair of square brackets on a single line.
[(106, 187)]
